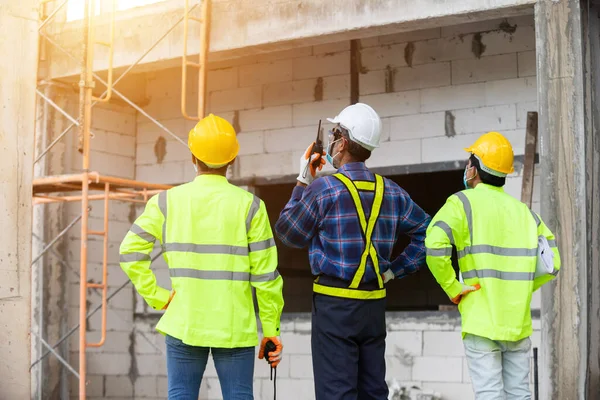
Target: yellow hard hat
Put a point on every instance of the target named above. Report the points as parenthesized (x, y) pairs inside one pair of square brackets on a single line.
[(213, 141), (495, 154)]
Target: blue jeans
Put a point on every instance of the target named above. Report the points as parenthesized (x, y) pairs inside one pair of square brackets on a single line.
[(186, 365), (499, 369)]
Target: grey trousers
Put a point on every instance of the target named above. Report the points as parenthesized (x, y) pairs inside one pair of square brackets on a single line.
[(499, 369)]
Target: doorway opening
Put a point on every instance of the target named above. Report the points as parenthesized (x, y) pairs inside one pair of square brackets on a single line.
[(417, 292)]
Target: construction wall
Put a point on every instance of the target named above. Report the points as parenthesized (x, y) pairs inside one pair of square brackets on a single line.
[(436, 90)]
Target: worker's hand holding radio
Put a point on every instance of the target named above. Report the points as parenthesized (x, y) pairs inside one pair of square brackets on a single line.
[(466, 289), (271, 349), (311, 162)]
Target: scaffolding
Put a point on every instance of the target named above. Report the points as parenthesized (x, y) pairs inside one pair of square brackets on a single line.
[(89, 186)]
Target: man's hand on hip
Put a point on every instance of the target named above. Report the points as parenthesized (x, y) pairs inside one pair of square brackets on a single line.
[(466, 289)]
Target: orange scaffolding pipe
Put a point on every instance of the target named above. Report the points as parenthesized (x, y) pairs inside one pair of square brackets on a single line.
[(64, 188)]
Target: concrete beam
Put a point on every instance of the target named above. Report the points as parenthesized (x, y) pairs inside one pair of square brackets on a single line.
[(246, 27), (17, 125)]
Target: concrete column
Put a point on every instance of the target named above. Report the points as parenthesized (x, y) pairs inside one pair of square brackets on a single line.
[(18, 44), (592, 161), (569, 180)]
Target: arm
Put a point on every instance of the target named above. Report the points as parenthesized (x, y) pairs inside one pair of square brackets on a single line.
[(413, 223), (446, 224), (543, 230), (135, 254), (298, 221), (263, 272)]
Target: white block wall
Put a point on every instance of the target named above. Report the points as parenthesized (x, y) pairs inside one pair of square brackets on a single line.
[(276, 101)]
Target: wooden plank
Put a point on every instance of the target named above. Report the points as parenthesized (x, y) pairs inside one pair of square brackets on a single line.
[(354, 70), (531, 136)]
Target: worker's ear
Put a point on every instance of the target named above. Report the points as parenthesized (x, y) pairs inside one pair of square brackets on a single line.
[(342, 145)]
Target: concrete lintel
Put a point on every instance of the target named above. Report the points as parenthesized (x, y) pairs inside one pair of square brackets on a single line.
[(247, 27), (385, 171)]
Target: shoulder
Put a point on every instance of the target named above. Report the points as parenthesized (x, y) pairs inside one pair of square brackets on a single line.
[(461, 198), (178, 190), (393, 188), (323, 187), (242, 193), (234, 193)]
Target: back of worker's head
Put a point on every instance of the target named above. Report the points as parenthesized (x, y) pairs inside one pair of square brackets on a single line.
[(485, 177), (357, 130), (213, 144), (492, 156)]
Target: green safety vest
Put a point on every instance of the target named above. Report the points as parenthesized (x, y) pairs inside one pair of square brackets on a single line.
[(367, 228), (496, 238), (218, 244)]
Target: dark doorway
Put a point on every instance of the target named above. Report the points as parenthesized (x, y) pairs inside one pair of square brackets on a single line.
[(417, 292)]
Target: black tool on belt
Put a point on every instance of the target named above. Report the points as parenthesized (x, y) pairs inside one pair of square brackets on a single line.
[(269, 347)]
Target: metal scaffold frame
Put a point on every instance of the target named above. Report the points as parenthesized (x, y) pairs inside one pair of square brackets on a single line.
[(93, 186)]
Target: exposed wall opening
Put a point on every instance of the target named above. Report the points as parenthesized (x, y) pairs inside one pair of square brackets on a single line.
[(418, 292)]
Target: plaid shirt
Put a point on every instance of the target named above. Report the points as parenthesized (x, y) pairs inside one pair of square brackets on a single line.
[(323, 217)]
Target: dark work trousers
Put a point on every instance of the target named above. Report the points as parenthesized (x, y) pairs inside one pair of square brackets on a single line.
[(348, 348)]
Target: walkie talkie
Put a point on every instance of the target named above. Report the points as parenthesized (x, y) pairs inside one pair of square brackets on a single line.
[(269, 347), (317, 148)]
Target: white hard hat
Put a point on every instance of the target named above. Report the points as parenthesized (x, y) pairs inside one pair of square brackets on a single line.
[(362, 123)]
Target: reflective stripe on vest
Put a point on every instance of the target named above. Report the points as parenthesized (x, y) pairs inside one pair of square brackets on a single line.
[(220, 249), (367, 228), (490, 249), (222, 275)]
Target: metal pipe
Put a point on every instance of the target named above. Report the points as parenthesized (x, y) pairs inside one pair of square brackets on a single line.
[(184, 62), (76, 178), (62, 360), (58, 256), (53, 143), (156, 43), (111, 50), (104, 284), (85, 103), (204, 48), (124, 98), (536, 392), (91, 313), (144, 113), (56, 238), (202, 62), (38, 199), (52, 14), (57, 107)]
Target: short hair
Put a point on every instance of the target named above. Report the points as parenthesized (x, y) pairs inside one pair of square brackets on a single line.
[(205, 168), (486, 178), (358, 153)]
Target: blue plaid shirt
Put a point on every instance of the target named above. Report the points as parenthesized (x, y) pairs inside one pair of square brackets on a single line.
[(323, 217)]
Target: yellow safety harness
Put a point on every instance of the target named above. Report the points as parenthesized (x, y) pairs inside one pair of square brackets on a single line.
[(352, 291)]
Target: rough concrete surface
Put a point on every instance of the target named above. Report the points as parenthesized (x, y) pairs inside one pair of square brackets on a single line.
[(17, 124), (246, 27)]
